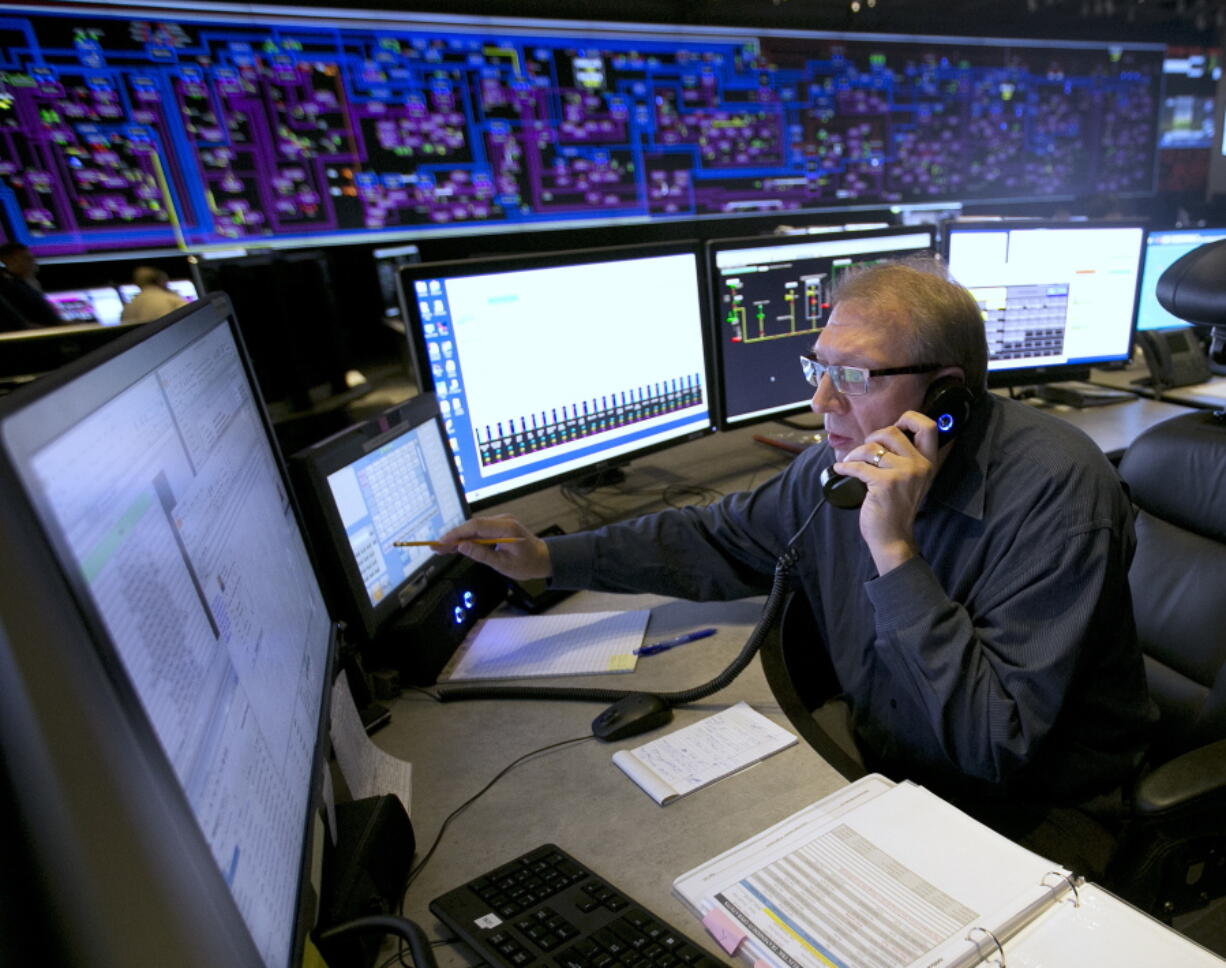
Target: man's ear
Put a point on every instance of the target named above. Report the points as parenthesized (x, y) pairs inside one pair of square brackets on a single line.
[(954, 371)]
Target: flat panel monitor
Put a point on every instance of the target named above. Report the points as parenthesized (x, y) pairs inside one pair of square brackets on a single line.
[(102, 305), (154, 479), (184, 288), (1057, 298), (549, 366), (1162, 248), (771, 298), (269, 125), (387, 480)]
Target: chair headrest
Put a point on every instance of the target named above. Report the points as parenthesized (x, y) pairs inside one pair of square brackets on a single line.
[(1176, 470)]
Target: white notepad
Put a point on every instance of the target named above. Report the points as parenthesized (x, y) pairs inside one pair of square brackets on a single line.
[(551, 645), (703, 752)]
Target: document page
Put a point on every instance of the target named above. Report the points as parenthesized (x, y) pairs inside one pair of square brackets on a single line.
[(692, 757), (1100, 929), (894, 877)]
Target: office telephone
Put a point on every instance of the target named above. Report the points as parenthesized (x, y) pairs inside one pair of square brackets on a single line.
[(947, 403), (1174, 356)]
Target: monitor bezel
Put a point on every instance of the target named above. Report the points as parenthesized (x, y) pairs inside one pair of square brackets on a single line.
[(746, 243), (36, 414), (310, 468), (1174, 321), (514, 263), (1024, 376)]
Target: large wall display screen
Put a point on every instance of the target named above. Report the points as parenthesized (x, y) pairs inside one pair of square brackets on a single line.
[(195, 126)]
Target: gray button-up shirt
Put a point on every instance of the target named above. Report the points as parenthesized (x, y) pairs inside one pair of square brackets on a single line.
[(1002, 661)]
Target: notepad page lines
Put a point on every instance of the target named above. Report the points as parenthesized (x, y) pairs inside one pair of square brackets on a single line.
[(553, 645)]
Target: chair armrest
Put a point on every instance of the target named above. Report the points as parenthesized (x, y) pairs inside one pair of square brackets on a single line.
[(1183, 781)]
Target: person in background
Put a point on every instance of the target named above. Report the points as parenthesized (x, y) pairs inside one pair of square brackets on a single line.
[(155, 298), (24, 305)]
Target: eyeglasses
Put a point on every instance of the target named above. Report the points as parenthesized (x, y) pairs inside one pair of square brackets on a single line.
[(854, 380)]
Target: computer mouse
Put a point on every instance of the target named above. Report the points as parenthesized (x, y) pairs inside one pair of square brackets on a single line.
[(631, 715)]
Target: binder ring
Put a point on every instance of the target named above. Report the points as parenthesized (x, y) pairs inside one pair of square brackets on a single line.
[(1070, 879), (970, 936)]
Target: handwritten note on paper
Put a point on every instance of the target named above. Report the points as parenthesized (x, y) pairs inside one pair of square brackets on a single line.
[(703, 752), (551, 645)]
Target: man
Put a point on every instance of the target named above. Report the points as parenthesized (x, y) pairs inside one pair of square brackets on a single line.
[(23, 299), (975, 608), (155, 298)]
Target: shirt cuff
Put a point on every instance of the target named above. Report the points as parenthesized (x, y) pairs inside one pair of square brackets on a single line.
[(572, 557), (904, 595)]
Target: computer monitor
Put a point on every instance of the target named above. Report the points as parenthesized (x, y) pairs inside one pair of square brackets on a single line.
[(771, 298), (157, 512), (550, 366), (1057, 297), (101, 305), (1162, 248), (387, 264), (185, 288), (387, 480)]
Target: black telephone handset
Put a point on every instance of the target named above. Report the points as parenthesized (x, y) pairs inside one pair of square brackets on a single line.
[(1174, 357), (947, 403)]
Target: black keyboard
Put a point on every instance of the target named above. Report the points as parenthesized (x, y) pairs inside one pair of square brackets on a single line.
[(546, 908)]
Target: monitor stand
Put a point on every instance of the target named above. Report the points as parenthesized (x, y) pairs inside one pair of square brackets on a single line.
[(1076, 393), (602, 475)]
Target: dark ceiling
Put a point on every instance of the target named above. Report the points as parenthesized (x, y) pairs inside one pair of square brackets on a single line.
[(1176, 22)]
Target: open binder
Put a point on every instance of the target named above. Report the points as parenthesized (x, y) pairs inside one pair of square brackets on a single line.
[(884, 875)]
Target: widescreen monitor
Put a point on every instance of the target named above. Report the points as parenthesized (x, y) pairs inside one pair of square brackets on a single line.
[(771, 298), (1162, 248), (197, 125), (102, 305), (548, 366), (157, 492), (1057, 298), (387, 480)]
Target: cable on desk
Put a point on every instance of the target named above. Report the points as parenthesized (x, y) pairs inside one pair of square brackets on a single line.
[(674, 495), (593, 513), (480, 793)]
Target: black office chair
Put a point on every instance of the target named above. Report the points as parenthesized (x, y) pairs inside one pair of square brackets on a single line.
[(1166, 853), (1171, 856)]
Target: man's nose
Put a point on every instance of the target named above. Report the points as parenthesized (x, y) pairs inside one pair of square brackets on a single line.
[(826, 399)]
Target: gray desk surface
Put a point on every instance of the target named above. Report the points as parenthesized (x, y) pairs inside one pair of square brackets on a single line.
[(1114, 426), (575, 796), (1206, 396)]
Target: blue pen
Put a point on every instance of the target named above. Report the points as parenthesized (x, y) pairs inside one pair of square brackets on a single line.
[(673, 643)]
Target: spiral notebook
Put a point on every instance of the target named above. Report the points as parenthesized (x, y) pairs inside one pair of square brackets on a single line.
[(883, 875)]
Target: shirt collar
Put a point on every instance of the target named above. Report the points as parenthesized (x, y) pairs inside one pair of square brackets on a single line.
[(960, 483)]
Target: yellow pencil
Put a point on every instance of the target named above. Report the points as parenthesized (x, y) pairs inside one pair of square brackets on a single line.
[(423, 544)]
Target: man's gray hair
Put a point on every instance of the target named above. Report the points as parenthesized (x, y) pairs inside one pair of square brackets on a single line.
[(938, 319)]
